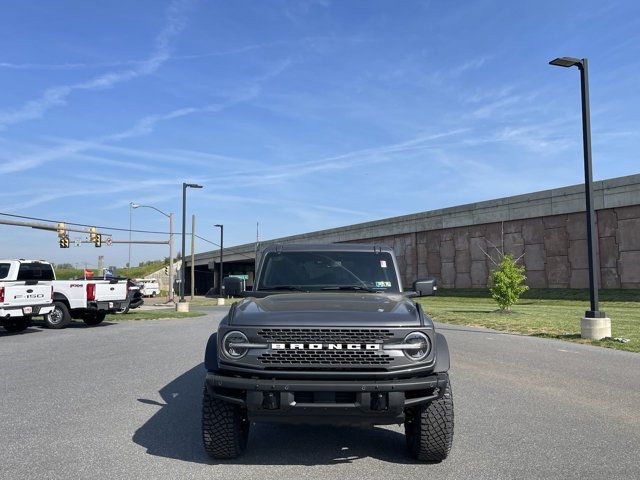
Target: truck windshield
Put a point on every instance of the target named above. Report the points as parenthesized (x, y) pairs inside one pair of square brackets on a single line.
[(340, 271)]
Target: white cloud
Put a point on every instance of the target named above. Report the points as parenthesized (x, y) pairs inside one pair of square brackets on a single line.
[(56, 96), (144, 126)]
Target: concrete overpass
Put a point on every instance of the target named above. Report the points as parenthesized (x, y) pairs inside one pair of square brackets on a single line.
[(548, 227)]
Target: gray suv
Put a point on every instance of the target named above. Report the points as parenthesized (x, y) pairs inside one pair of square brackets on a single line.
[(328, 336)]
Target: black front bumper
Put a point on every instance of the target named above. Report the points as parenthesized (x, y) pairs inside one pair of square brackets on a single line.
[(327, 401)]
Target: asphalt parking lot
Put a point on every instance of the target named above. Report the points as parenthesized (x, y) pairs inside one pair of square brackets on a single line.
[(122, 401)]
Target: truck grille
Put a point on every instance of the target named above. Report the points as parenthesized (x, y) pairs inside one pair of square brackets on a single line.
[(324, 358), (324, 335)]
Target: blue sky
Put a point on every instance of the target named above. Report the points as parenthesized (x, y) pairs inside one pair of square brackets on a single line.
[(301, 115)]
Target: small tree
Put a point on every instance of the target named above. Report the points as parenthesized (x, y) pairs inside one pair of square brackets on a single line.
[(507, 283)]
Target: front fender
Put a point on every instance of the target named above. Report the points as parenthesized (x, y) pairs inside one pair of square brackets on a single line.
[(211, 354), (443, 361)]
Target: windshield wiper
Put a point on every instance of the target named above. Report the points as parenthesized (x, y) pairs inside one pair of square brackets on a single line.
[(351, 287), (291, 288)]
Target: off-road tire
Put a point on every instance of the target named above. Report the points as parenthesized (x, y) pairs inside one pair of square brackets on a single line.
[(429, 428), (225, 428), (92, 319), (59, 317), (16, 324)]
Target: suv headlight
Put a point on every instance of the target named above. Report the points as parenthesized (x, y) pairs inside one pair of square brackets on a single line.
[(422, 346), (231, 345)]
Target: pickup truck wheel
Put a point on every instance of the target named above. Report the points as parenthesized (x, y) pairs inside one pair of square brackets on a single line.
[(429, 428), (59, 317), (16, 325), (94, 318), (225, 428)]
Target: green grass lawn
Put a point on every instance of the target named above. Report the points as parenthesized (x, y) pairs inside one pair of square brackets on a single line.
[(152, 315), (552, 313)]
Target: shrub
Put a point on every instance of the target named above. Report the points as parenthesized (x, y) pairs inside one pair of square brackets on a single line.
[(507, 283)]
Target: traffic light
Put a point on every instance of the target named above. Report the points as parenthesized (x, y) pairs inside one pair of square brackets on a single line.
[(64, 241), (92, 234), (166, 270), (61, 231), (98, 240)]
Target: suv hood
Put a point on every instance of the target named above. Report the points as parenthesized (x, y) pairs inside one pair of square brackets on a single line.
[(327, 309)]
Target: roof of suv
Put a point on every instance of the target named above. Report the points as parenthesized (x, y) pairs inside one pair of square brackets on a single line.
[(331, 247)]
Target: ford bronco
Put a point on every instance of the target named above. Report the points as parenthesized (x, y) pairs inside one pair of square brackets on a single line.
[(328, 336)]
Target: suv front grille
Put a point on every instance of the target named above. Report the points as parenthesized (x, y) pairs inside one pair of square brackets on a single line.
[(329, 358), (324, 335)]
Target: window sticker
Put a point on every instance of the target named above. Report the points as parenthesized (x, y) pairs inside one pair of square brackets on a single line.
[(383, 263), (383, 284)]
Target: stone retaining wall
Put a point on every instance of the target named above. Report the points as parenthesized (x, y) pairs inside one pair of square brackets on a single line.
[(553, 250)]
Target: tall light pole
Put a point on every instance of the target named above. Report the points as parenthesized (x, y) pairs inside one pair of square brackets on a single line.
[(170, 217), (184, 227), (130, 211), (594, 325), (221, 227)]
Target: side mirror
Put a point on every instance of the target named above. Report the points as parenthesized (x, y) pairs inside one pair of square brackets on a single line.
[(426, 287)]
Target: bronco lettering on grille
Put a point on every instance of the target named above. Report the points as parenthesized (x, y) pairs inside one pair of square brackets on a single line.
[(324, 346)]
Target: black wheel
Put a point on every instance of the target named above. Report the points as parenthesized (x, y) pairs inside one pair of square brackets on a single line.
[(94, 318), (16, 324), (429, 428), (59, 317), (225, 428), (123, 310)]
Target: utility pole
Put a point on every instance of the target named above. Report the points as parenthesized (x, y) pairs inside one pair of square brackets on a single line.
[(171, 257), (193, 255), (130, 213), (183, 266), (221, 227)]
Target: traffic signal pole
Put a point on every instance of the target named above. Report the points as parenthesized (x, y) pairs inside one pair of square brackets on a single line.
[(44, 226)]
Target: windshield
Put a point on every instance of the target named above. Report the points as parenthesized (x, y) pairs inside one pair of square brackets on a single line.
[(329, 271)]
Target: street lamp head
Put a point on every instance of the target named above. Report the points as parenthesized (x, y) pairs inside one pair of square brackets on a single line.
[(218, 225), (566, 62), (193, 185), (134, 205)]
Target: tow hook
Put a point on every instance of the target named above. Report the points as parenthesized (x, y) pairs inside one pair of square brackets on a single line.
[(271, 401)]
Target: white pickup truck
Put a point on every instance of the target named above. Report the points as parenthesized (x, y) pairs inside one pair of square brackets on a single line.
[(88, 300), (24, 293)]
